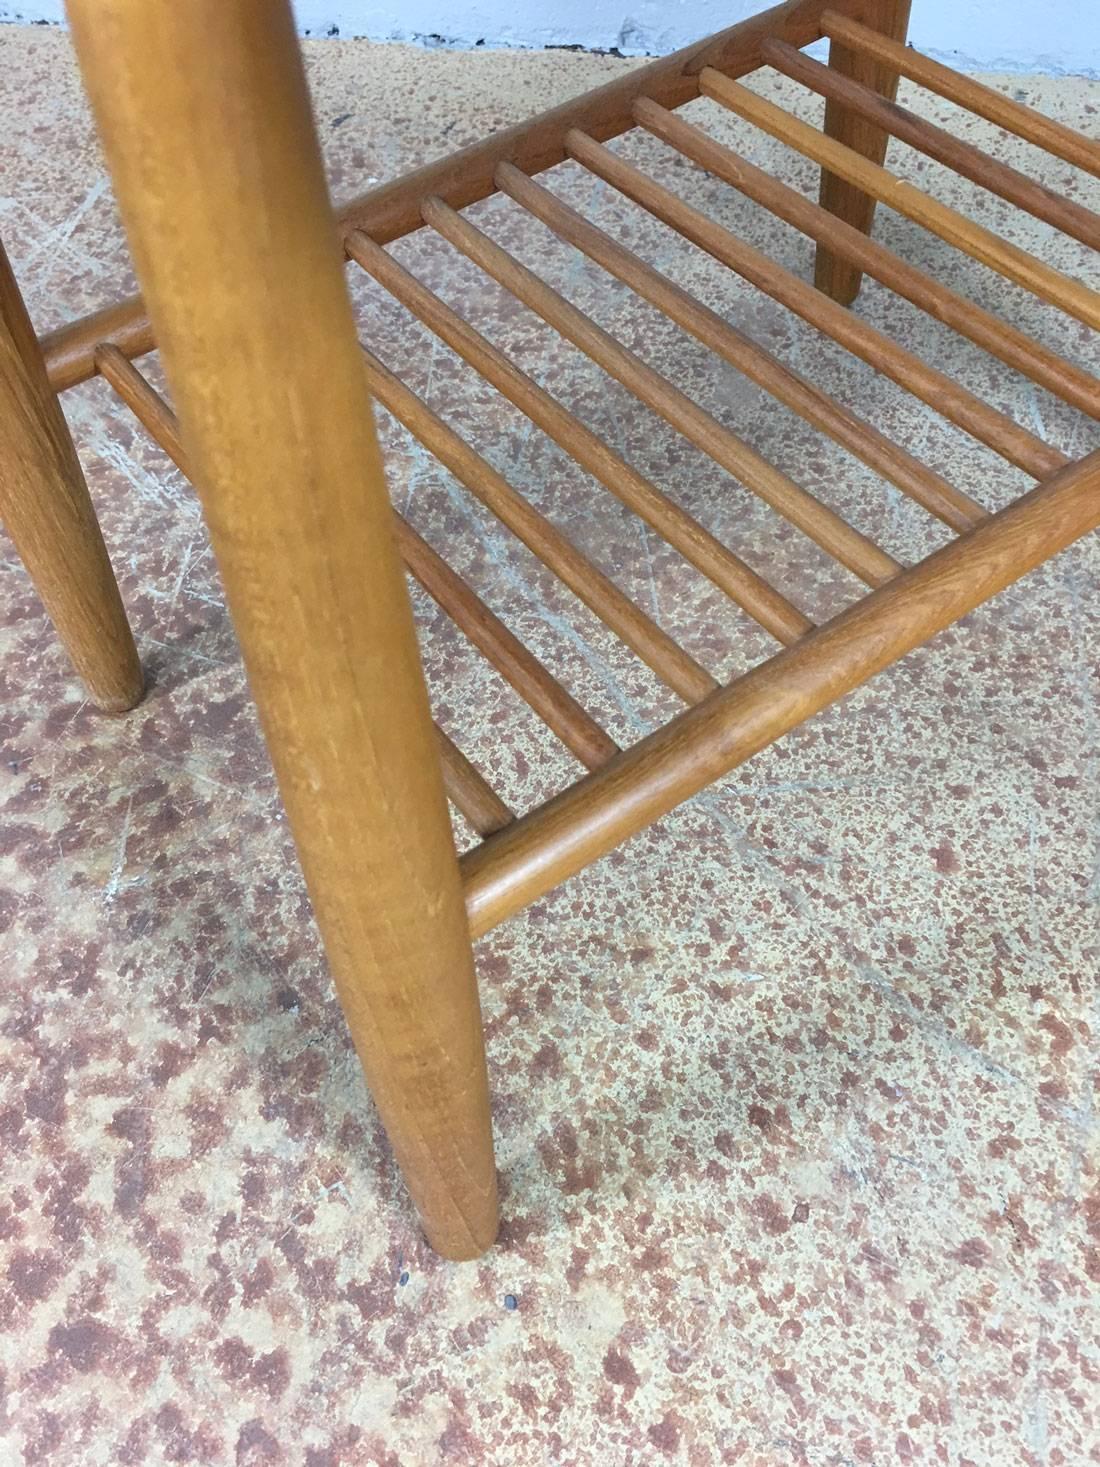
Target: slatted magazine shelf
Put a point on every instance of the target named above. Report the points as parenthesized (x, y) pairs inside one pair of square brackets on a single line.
[(521, 854)]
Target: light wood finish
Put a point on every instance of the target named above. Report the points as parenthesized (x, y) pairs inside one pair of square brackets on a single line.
[(1014, 347), (144, 401), (669, 661), (494, 492), (48, 513), (466, 788), (935, 142), (469, 791), (388, 212), (839, 196), (1053, 137), (212, 148), (704, 743), (219, 178), (392, 209), (70, 350), (876, 450), (940, 392), (796, 504), (974, 240), (558, 709), (750, 591)]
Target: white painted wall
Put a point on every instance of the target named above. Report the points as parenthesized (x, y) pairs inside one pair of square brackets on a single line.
[(1055, 36)]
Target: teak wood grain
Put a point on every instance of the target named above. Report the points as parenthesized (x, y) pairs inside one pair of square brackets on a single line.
[(47, 510), (981, 244), (392, 209), (588, 583), (942, 393), (816, 520), (715, 560), (936, 142), (217, 168), (839, 196), (466, 788), (1000, 338), (557, 708), (866, 442), (262, 357), (1045, 132), (646, 781)]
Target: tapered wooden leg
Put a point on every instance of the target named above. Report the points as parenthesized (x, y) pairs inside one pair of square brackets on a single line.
[(838, 278), (45, 505), (218, 174)]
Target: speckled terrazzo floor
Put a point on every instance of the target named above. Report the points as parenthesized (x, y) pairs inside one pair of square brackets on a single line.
[(794, 1096)]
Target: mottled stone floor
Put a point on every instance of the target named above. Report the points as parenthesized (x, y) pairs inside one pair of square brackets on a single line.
[(794, 1096)]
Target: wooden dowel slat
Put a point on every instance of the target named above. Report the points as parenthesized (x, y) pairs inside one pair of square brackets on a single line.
[(939, 391), (143, 400), (392, 209), (962, 157), (667, 659), (466, 788), (1001, 340), (469, 791), (750, 591), (974, 240), (70, 350), (557, 708), (796, 504), (516, 663), (921, 483), (704, 743), (1053, 137)]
